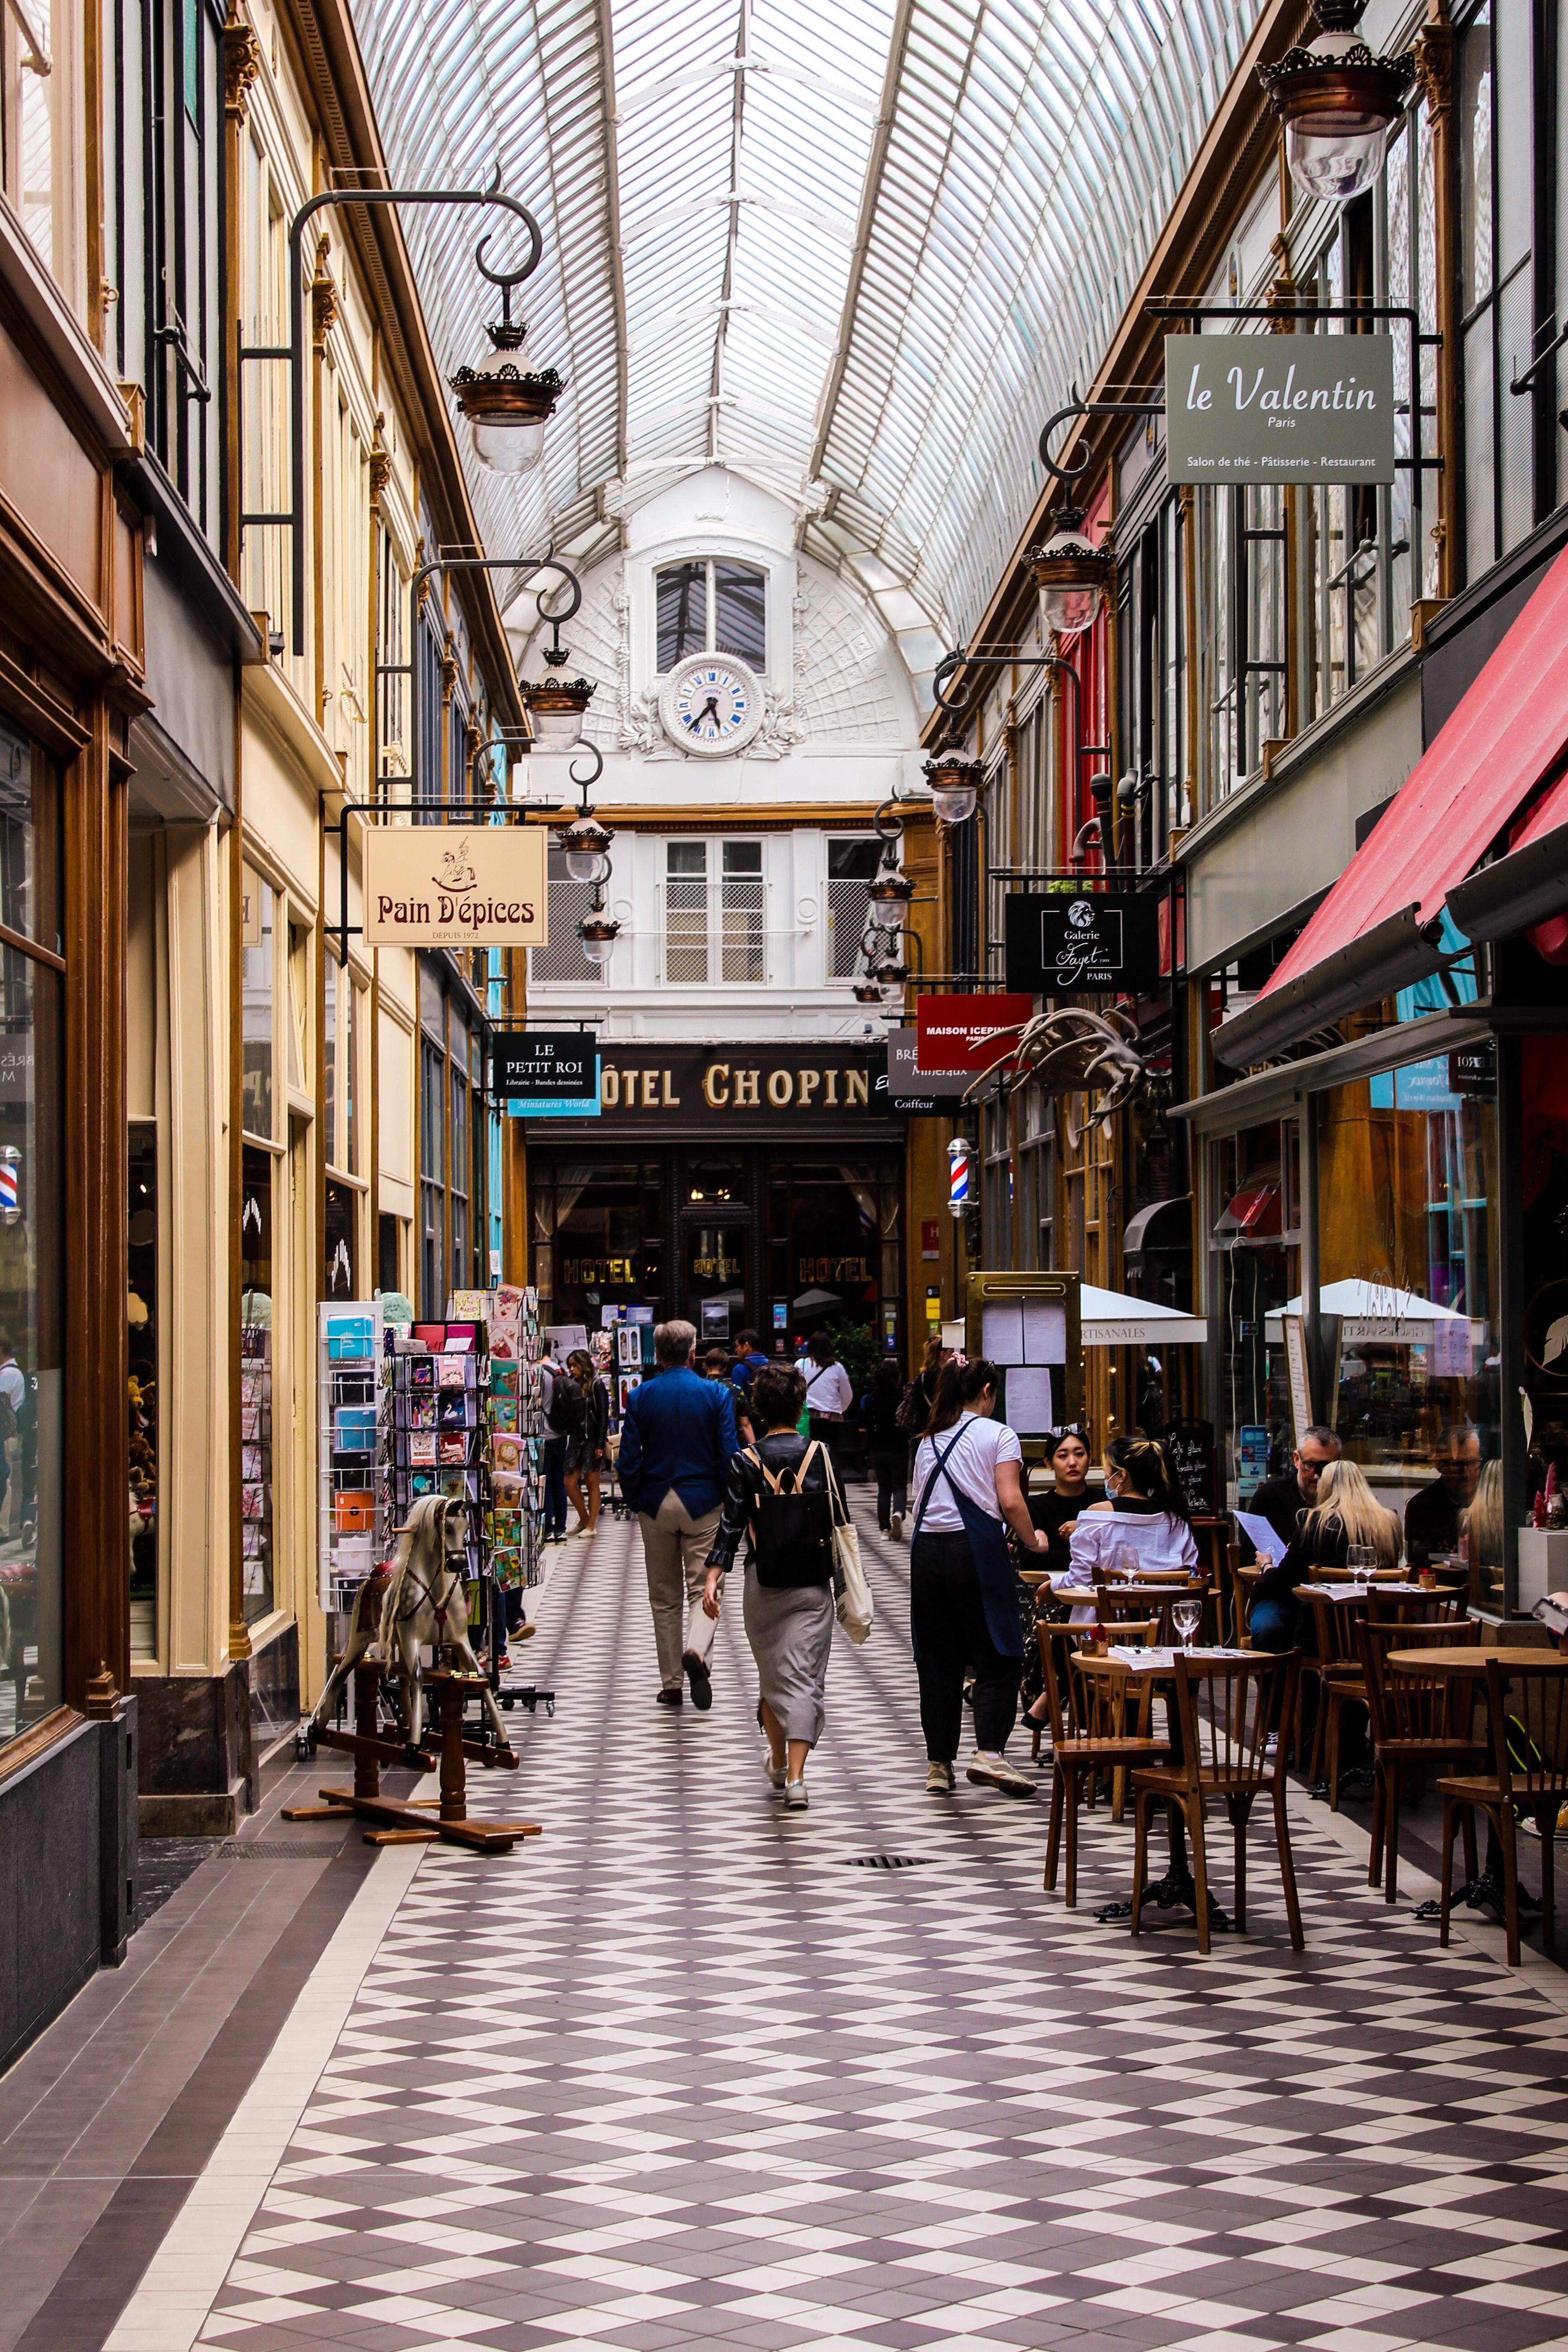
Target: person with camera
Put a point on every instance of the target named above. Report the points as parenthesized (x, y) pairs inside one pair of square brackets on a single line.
[(780, 1502)]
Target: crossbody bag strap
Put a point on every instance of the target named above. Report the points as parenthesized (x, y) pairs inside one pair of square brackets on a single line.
[(939, 1470)]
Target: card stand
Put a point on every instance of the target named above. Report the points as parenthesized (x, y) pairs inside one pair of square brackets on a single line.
[(349, 1343)]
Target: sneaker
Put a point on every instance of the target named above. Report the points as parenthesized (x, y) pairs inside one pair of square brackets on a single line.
[(796, 1799), (940, 1779), (995, 1772), (898, 1526), (1271, 1746), (778, 1774), (671, 1697), (702, 1681)]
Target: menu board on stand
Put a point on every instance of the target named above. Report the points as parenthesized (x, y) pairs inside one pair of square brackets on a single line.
[(1028, 1325)]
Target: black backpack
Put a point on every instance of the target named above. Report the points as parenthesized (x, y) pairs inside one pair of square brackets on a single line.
[(792, 1533)]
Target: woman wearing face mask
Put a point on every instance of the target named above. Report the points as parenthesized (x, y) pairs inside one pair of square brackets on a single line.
[(1145, 1514)]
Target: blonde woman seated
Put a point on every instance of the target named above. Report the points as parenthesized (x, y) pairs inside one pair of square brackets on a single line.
[(1143, 1528), (1346, 1514)]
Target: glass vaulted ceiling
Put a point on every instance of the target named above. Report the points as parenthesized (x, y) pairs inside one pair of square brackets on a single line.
[(856, 249)]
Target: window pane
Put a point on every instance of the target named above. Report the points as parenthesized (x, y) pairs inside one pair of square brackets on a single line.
[(340, 1253), (255, 1380), (686, 912), (1511, 104), (1480, 522), (739, 612), (256, 1003), (1473, 106), (1514, 459), (682, 609), (29, 843), (334, 990), (850, 866), (743, 857), (742, 912), (351, 1078), (142, 1399)]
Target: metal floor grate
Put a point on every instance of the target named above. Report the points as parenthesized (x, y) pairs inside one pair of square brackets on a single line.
[(884, 1861), (274, 1849)]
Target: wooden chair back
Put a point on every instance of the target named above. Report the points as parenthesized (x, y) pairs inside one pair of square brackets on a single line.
[(1058, 1644), (1116, 1605), (1241, 1581), (1432, 1706), (1323, 1574), (1414, 1607), (1336, 1622), (1224, 1709), (1530, 1729)]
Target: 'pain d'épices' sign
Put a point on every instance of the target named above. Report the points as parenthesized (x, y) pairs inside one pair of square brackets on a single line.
[(441, 885)]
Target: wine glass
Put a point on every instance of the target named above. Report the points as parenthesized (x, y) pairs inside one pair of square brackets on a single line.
[(1126, 1562), (1361, 1559), (1186, 1616)]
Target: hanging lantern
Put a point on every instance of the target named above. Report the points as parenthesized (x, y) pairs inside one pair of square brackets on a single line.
[(507, 401), (890, 891), (585, 843), (869, 992), (888, 972), (1338, 103), (598, 935), (555, 709), (1070, 574), (956, 784)]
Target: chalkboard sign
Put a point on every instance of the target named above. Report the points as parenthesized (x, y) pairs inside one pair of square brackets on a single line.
[(1191, 1448)]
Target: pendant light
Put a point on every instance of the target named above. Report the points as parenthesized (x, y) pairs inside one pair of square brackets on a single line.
[(506, 399), (956, 784), (1070, 574), (1338, 103), (585, 844)]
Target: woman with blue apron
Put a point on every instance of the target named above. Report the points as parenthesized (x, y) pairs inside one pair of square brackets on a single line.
[(963, 1591)]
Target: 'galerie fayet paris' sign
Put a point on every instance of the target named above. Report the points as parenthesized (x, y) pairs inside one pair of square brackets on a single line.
[(1081, 943), (443, 886), (1279, 408)]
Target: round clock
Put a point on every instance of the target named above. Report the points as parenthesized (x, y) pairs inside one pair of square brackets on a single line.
[(711, 704)]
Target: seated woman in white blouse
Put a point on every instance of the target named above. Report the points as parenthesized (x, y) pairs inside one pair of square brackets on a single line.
[(1146, 1515)]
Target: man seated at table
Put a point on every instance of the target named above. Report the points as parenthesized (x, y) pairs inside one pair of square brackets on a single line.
[(1433, 1515), (1281, 1500)]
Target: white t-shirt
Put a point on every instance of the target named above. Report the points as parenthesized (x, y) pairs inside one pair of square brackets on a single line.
[(978, 1444), (827, 1386)]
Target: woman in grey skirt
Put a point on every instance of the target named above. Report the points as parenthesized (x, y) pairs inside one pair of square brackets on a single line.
[(789, 1626)]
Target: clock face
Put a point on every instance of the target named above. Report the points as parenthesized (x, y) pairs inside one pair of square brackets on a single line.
[(711, 705)]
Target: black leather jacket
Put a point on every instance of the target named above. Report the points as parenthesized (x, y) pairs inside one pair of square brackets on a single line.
[(744, 1487)]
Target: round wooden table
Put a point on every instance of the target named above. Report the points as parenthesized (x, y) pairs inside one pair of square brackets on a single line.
[(1464, 1660)]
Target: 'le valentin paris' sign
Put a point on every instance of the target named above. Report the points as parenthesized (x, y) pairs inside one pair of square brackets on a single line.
[(1279, 408), (441, 885)]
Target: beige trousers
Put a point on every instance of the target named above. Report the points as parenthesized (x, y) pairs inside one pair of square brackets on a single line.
[(675, 1550)]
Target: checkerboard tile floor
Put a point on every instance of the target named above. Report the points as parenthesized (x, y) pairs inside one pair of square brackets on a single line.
[(684, 2073)]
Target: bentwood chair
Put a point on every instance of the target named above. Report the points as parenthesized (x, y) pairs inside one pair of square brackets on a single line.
[(1242, 1581), (1105, 1698), (1529, 1735), (1223, 1710), (1119, 1604), (1417, 1721), (1340, 1678)]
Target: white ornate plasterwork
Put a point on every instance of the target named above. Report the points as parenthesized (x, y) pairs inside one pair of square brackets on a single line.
[(842, 690), (780, 731)]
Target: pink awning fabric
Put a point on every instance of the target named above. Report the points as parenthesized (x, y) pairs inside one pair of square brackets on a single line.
[(1375, 929)]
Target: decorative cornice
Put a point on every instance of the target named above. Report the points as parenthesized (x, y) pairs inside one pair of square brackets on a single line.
[(1433, 54)]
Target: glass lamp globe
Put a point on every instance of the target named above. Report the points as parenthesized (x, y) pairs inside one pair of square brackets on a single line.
[(1070, 573), (555, 731), (956, 784), (588, 866), (585, 845), (1338, 103), (508, 401), (954, 804), (598, 936)]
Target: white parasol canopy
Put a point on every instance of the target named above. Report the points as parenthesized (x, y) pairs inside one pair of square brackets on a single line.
[(1109, 1319), (1370, 1310)]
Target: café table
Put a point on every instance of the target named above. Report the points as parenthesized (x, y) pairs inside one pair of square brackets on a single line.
[(1489, 1887), (1178, 1889)]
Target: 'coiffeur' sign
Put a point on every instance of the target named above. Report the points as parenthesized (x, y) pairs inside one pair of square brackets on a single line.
[(441, 885), (1279, 408)]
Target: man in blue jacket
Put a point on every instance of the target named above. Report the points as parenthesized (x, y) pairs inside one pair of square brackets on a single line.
[(677, 1437)]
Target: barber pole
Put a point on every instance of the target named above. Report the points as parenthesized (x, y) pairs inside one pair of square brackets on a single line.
[(958, 1175), (10, 1203)]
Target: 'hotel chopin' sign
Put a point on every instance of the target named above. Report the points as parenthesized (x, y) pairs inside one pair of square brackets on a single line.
[(723, 1088), (444, 886), (1279, 408)]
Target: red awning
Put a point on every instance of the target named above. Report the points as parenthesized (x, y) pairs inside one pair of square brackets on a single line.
[(1375, 932)]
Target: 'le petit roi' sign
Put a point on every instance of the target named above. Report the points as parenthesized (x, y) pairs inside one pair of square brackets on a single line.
[(1279, 408)]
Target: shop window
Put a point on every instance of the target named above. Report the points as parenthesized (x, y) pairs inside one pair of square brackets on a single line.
[(462, 1142), (298, 1025), (1408, 1244), (37, 164), (341, 1238), (256, 1240), (1152, 620), (1241, 605), (31, 1271), (388, 1254), (998, 1178), (709, 606), (715, 913), (142, 1393), (432, 1168), (850, 866), (598, 1237)]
